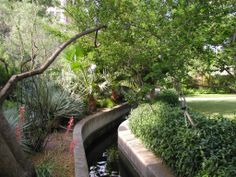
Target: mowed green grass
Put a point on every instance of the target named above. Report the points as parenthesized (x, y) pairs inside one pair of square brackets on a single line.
[(224, 106), (212, 95)]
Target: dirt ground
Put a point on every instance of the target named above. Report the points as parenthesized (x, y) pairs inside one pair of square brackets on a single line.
[(57, 155)]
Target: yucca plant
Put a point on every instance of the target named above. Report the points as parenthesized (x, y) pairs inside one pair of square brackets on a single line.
[(47, 105), (12, 116)]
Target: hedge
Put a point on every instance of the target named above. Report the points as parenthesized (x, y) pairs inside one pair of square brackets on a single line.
[(207, 150)]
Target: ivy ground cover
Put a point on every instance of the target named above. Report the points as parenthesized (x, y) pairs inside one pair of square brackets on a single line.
[(206, 150)]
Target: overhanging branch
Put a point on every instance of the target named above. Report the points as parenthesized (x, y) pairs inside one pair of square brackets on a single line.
[(18, 77)]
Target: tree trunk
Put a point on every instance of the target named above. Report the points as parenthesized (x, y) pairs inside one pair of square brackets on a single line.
[(13, 162), (91, 104), (114, 95)]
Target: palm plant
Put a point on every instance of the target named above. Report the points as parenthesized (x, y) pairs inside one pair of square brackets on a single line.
[(86, 77), (118, 82), (111, 82), (88, 85)]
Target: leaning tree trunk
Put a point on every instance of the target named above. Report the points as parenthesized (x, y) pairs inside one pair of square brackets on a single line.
[(12, 158), (13, 162)]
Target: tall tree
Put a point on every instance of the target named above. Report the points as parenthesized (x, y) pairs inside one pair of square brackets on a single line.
[(161, 41)]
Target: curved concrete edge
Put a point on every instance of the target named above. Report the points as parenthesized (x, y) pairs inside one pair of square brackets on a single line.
[(145, 163), (86, 127)]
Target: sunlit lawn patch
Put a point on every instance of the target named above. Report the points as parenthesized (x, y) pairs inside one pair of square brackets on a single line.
[(224, 104)]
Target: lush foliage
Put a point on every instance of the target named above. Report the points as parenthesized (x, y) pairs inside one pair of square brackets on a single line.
[(47, 106), (205, 150), (24, 41), (107, 103), (165, 42), (168, 96), (173, 44), (4, 73)]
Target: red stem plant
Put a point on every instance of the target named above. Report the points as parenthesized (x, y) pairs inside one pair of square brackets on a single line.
[(70, 124), (15, 161), (68, 128), (19, 125)]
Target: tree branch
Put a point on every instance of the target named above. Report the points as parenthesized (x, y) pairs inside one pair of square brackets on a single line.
[(184, 108), (23, 64), (228, 71), (95, 40), (18, 77)]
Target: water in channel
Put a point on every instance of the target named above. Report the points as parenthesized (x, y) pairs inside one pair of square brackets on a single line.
[(107, 164), (103, 157)]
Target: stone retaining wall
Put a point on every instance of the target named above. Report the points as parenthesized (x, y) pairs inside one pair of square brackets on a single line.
[(88, 126), (144, 162)]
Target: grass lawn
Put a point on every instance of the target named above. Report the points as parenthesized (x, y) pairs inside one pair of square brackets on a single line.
[(212, 95), (224, 104)]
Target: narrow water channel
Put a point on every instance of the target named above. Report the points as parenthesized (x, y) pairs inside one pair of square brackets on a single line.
[(103, 157)]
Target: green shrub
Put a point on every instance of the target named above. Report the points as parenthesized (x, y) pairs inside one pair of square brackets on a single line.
[(169, 96), (105, 103), (5, 75), (47, 105), (112, 154), (206, 150), (195, 91), (8, 104), (44, 169)]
